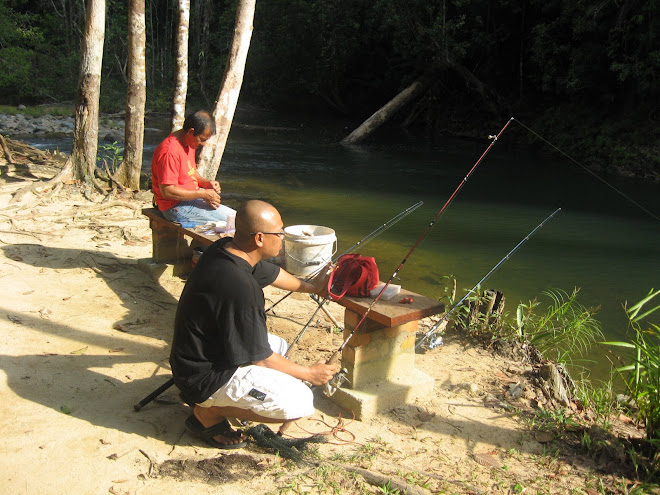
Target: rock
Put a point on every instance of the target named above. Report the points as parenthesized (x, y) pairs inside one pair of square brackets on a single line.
[(515, 390), (21, 125), (554, 384), (21, 107), (543, 436)]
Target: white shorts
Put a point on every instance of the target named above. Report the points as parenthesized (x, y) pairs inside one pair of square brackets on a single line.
[(267, 392)]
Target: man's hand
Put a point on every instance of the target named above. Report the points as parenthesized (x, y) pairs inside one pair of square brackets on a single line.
[(321, 373), (210, 196), (320, 280), (215, 185)]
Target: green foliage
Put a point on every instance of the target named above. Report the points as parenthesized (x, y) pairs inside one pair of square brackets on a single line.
[(111, 153), (447, 287), (643, 372), (35, 63), (552, 420), (584, 72), (38, 111), (566, 329), (387, 489)]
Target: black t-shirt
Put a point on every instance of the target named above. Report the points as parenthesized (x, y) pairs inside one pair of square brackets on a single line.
[(220, 321)]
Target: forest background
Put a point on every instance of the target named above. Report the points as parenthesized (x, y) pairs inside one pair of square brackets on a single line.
[(584, 72)]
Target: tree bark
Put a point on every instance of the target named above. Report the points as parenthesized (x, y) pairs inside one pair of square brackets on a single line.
[(223, 113), (128, 173), (181, 66), (385, 113), (86, 123)]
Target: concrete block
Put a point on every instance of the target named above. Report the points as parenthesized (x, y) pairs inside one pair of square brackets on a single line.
[(379, 397)]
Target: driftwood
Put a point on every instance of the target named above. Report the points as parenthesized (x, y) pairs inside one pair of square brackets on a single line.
[(42, 187), (487, 311), (385, 112), (379, 479), (28, 162), (8, 156)]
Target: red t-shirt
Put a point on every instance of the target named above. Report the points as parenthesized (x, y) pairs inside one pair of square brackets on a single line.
[(172, 164)]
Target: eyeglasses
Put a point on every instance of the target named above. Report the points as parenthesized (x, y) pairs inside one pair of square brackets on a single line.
[(279, 234)]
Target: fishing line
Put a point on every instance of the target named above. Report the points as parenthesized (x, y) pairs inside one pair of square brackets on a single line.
[(590, 171), (433, 343), (495, 138)]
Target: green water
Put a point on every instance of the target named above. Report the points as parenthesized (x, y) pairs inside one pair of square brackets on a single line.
[(599, 242)]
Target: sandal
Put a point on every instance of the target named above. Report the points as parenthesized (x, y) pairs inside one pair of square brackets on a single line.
[(223, 428)]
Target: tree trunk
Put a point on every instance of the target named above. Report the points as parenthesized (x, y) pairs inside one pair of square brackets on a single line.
[(223, 113), (86, 123), (181, 66), (385, 113), (128, 173)]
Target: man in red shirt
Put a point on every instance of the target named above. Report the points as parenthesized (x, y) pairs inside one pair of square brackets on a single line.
[(181, 194)]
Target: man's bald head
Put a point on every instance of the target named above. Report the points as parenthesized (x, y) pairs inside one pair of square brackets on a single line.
[(256, 216)]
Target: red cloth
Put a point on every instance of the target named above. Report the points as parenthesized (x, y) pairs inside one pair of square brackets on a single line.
[(172, 164), (354, 275)]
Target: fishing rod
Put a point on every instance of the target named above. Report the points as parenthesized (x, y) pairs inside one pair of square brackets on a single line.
[(434, 342), (382, 228), (494, 139)]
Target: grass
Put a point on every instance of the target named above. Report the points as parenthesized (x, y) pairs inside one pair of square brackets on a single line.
[(565, 331), (57, 111), (642, 374)]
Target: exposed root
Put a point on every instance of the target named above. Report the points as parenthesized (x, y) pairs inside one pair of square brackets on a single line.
[(42, 187), (8, 156)]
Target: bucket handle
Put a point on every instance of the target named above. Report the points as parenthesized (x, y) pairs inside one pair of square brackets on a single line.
[(316, 263)]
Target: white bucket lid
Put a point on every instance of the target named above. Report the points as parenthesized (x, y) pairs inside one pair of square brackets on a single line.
[(309, 233)]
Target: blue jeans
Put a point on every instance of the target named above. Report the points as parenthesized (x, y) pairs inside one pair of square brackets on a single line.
[(196, 212)]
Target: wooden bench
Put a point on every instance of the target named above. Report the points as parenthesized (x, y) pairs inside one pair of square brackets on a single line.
[(380, 357), (173, 244)]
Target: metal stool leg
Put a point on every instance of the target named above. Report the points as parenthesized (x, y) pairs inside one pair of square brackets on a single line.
[(154, 394)]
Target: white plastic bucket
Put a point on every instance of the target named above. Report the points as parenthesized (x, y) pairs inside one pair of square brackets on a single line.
[(307, 248)]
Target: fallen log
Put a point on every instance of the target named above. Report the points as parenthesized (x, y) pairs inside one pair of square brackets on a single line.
[(385, 113)]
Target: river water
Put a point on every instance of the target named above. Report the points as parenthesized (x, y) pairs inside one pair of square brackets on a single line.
[(600, 242)]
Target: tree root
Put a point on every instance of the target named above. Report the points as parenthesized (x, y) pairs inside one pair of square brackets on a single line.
[(41, 187), (111, 177), (111, 204), (379, 479)]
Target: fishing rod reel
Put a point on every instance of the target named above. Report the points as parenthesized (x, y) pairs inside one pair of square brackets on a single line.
[(423, 345), (336, 382)]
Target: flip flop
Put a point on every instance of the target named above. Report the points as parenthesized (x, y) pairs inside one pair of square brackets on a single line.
[(223, 428)]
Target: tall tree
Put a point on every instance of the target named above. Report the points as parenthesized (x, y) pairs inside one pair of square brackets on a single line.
[(86, 124), (223, 113), (128, 173), (181, 66)]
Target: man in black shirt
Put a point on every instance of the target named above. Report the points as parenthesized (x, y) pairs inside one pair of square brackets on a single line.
[(223, 359)]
